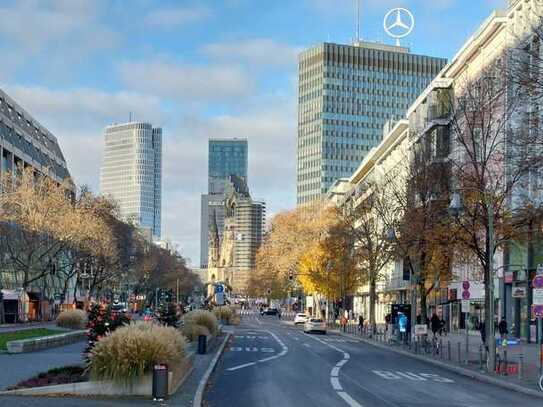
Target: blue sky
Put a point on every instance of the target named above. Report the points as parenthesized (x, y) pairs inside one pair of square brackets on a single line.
[(199, 69)]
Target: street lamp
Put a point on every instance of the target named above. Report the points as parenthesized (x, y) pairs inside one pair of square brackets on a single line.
[(456, 207)]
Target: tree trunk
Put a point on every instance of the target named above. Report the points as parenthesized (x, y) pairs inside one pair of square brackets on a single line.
[(423, 301), (373, 299)]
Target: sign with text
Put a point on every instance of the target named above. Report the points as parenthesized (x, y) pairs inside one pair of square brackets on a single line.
[(421, 329), (519, 292), (537, 296), (465, 306)]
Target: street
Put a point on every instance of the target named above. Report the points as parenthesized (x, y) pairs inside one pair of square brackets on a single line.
[(273, 363)]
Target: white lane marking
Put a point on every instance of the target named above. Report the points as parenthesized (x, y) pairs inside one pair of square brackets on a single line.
[(335, 384), (242, 366), (251, 349), (267, 350), (307, 345), (334, 374), (348, 399), (396, 375), (283, 352)]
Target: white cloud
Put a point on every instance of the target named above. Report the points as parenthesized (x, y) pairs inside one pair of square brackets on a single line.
[(187, 83), (176, 17), (258, 51), (47, 22)]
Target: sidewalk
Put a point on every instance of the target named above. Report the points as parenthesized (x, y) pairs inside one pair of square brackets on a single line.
[(521, 373)]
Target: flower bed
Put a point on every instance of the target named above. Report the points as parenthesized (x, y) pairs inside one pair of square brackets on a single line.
[(59, 375)]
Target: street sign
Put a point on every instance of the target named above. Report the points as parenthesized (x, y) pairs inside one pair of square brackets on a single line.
[(537, 282), (539, 271), (465, 306), (219, 289), (219, 298), (421, 329), (508, 277), (537, 311), (537, 296), (519, 292)]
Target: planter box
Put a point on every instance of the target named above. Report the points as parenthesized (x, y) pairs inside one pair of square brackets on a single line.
[(142, 386), (45, 342)]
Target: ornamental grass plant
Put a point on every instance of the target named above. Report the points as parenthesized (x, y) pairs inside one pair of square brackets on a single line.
[(131, 351), (72, 319), (204, 318), (193, 331), (225, 313)]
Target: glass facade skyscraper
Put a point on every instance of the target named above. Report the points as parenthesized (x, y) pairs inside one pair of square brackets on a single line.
[(346, 94), (226, 157), (132, 173)]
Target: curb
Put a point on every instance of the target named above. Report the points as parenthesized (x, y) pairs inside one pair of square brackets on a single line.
[(198, 397), (456, 369)]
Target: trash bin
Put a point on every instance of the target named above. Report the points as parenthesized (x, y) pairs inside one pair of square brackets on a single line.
[(202, 344), (160, 382)]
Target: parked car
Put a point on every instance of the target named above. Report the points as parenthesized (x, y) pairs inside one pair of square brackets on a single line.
[(315, 325), (300, 319)]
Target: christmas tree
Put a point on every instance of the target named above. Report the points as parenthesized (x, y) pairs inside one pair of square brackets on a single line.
[(101, 321), (168, 314)]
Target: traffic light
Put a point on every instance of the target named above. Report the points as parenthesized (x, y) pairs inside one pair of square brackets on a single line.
[(290, 275)]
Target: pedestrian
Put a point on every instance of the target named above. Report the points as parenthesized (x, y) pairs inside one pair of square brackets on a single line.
[(360, 323), (435, 324), (344, 323), (502, 329), (442, 325), (482, 331)]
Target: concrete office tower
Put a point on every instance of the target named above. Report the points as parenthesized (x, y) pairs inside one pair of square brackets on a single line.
[(346, 94), (25, 142), (132, 173), (227, 157)]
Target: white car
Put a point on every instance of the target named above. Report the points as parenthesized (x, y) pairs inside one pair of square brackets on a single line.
[(315, 325), (300, 319)]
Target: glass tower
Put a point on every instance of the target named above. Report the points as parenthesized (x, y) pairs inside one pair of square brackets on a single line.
[(132, 173), (346, 94), (226, 157)]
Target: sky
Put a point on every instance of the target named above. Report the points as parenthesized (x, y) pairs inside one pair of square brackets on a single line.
[(198, 69)]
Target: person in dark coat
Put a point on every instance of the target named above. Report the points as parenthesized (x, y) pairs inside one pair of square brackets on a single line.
[(482, 331), (435, 323), (502, 328)]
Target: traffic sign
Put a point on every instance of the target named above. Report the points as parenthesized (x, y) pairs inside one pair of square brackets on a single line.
[(466, 295), (537, 282), (465, 306), (537, 296), (219, 288), (219, 298), (537, 311)]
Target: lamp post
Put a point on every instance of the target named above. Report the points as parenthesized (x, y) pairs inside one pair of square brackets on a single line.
[(456, 209)]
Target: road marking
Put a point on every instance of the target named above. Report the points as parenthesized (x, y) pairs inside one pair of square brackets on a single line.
[(421, 377), (283, 352), (306, 345), (267, 350), (251, 349), (242, 366), (348, 399), (334, 374)]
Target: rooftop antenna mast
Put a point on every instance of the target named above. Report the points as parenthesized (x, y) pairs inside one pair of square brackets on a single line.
[(357, 40)]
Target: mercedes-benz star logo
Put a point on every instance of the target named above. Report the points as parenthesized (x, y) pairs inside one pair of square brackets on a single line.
[(398, 23)]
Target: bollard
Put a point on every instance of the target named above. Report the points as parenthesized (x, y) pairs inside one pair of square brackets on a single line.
[(520, 366), (160, 382), (449, 350), (440, 349), (481, 357), (505, 361), (459, 353), (202, 344), (416, 346)]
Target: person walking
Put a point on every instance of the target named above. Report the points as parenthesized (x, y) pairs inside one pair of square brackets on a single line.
[(360, 323), (343, 323), (435, 324), (502, 329), (482, 331)]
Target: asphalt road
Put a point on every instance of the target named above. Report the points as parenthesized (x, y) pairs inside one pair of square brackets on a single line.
[(271, 363)]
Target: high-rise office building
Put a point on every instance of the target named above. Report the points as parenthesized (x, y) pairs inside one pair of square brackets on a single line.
[(227, 157), (132, 173), (346, 94)]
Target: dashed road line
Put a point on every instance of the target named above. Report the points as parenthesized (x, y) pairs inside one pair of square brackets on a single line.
[(334, 374)]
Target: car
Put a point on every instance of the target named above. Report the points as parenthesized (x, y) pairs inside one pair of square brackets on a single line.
[(315, 325), (270, 311), (300, 319)]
